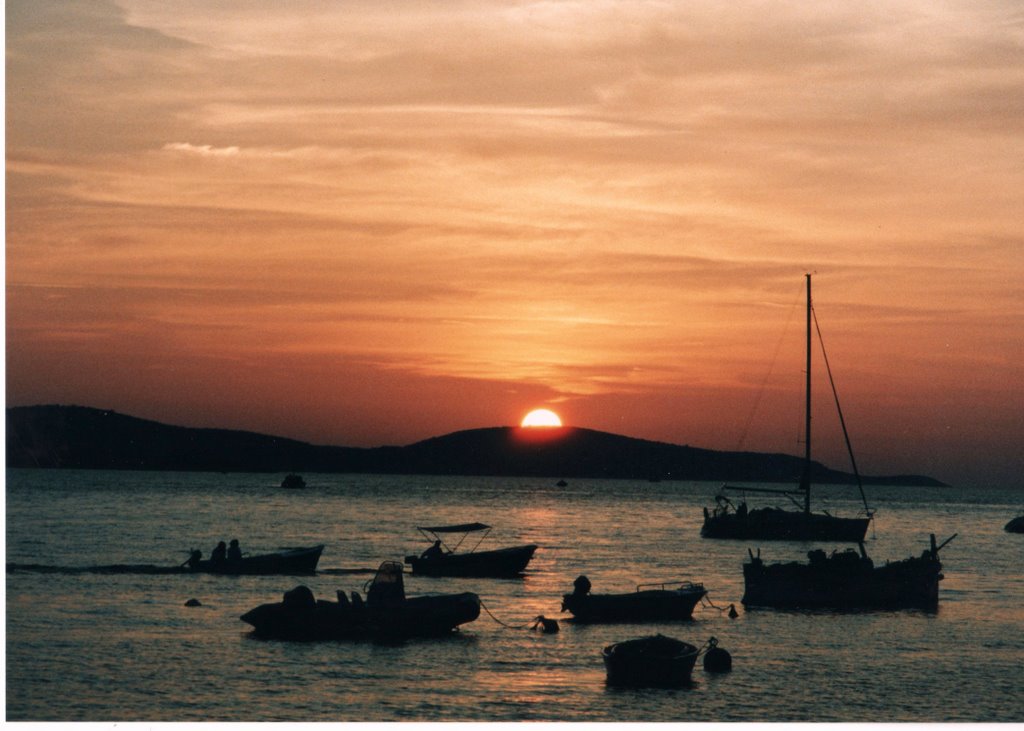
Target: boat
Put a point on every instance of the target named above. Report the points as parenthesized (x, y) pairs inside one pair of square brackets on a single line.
[(443, 560), (729, 520), (646, 604), (845, 580), (293, 482), (1015, 526), (656, 661), (291, 562), (385, 614)]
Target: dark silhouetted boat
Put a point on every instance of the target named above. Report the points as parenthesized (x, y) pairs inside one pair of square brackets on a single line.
[(646, 604), (385, 614), (442, 560), (1015, 526), (845, 580), (293, 482), (728, 520), (292, 562), (656, 661)]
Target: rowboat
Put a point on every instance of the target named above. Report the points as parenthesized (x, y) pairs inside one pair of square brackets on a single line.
[(443, 560), (291, 562), (386, 613), (657, 661), (643, 605), (845, 580)]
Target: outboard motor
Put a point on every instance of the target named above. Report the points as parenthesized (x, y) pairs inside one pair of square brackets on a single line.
[(581, 586), (388, 588), (299, 598)]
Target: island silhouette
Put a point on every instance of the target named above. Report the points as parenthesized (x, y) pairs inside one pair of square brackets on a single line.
[(79, 437)]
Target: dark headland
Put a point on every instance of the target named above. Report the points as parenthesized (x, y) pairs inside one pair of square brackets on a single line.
[(77, 437)]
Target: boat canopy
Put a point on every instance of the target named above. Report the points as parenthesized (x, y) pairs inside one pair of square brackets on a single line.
[(461, 528)]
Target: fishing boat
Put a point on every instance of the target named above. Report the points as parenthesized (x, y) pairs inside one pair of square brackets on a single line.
[(730, 520), (443, 560), (386, 613), (656, 661), (670, 601), (290, 562), (293, 482), (1015, 526), (845, 580)]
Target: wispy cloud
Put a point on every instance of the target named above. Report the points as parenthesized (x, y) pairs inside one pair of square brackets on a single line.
[(202, 150)]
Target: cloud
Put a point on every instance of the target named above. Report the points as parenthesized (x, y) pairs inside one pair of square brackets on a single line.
[(202, 150)]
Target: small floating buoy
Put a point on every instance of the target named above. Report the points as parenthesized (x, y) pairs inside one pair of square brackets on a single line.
[(717, 660), (193, 603), (548, 626), (732, 612)]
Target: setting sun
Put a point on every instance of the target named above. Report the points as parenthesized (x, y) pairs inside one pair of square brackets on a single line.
[(541, 417)]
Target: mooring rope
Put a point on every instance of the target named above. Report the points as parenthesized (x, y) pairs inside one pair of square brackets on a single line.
[(706, 602), (503, 624)]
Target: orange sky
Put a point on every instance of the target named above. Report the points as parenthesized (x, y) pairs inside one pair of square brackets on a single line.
[(370, 223)]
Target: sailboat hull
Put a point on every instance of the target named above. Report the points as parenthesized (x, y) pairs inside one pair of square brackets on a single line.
[(771, 524)]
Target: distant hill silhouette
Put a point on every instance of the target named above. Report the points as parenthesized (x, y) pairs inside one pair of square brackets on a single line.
[(87, 438)]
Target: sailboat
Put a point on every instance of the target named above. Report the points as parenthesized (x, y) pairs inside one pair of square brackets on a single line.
[(730, 520)]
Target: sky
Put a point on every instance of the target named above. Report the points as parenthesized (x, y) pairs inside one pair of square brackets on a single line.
[(371, 223)]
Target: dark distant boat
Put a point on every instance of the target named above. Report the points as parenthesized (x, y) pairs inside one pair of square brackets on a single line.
[(442, 560), (845, 580), (293, 482), (386, 613), (646, 604), (292, 562), (728, 520), (1015, 526), (656, 661)]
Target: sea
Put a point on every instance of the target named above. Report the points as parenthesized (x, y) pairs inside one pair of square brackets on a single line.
[(97, 627)]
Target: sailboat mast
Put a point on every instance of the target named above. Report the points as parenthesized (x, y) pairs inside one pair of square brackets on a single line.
[(807, 409)]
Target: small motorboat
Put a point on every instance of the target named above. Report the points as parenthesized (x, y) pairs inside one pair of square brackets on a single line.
[(293, 482), (291, 562), (1015, 526), (845, 580), (656, 661), (443, 560), (386, 613), (670, 601)]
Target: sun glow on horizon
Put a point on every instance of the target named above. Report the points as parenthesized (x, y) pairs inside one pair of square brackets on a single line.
[(541, 417)]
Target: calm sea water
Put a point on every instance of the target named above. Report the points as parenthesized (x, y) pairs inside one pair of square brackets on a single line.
[(94, 645)]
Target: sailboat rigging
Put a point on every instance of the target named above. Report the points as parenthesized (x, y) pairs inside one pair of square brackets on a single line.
[(727, 520)]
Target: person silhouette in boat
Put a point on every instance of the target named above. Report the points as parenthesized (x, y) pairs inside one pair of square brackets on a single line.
[(219, 554), (194, 557), (435, 551), (234, 551)]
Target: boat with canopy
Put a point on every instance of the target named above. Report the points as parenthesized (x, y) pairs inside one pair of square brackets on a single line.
[(442, 559)]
